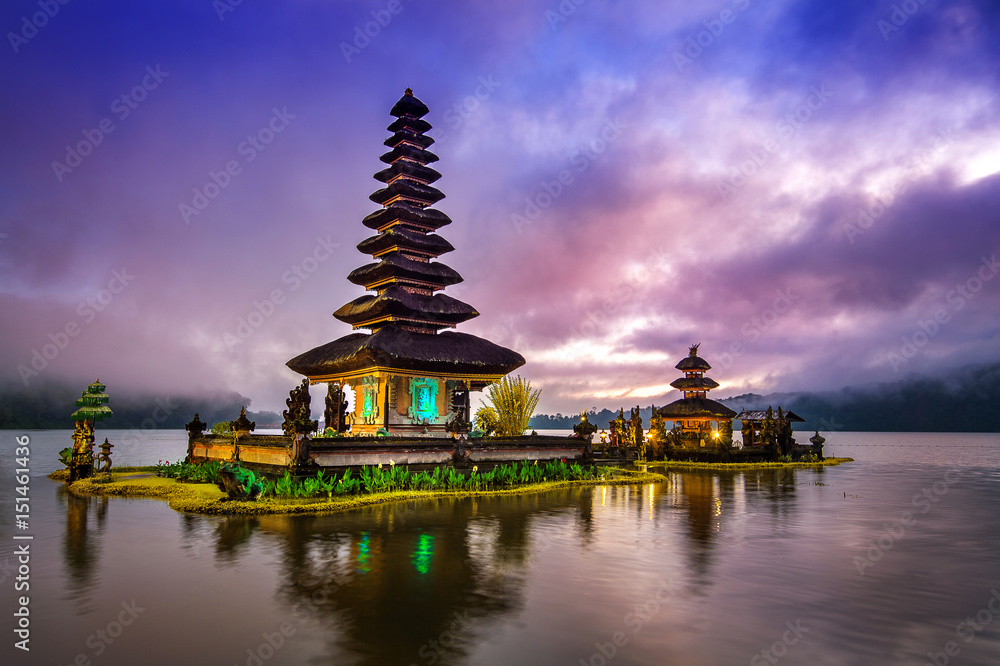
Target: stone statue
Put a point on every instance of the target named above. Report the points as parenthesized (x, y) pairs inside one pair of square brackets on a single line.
[(619, 431), (335, 414), (768, 435), (297, 415), (635, 428), (82, 457), (298, 425)]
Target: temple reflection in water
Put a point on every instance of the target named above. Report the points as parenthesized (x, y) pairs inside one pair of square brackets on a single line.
[(451, 570), (85, 520)]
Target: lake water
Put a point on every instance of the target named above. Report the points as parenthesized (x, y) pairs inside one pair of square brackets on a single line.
[(892, 559)]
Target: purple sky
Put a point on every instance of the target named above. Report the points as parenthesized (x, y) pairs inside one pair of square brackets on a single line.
[(802, 187)]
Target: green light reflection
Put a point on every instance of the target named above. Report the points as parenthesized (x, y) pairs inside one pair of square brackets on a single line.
[(424, 553), (364, 553)]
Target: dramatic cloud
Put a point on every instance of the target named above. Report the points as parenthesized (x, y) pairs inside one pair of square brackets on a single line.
[(809, 189)]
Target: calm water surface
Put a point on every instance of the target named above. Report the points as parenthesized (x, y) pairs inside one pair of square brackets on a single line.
[(880, 561)]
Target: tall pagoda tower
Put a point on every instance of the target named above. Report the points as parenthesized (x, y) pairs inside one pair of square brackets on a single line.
[(408, 375), (694, 414)]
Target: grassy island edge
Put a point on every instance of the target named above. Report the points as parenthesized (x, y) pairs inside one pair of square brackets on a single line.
[(206, 498)]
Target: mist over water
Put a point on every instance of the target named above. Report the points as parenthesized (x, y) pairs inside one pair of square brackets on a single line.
[(877, 561)]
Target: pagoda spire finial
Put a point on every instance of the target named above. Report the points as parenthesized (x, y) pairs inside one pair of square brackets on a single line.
[(693, 349), (408, 92)]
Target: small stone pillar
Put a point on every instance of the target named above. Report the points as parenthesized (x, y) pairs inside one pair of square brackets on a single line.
[(105, 455), (194, 428), (817, 441), (585, 430)]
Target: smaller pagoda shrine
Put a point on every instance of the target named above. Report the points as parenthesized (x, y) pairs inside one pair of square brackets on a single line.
[(91, 408), (695, 413)]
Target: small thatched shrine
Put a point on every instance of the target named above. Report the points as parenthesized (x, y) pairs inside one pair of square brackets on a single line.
[(407, 376), (91, 408), (755, 427), (695, 413)]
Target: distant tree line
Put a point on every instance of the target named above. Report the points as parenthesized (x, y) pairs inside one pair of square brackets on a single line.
[(966, 400), (598, 418)]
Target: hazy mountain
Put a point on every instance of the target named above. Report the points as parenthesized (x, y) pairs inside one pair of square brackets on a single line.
[(48, 405)]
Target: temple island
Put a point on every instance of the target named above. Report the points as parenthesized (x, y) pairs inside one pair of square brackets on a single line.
[(409, 377), (398, 386)]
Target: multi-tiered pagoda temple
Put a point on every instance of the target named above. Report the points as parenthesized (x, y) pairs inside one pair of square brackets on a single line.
[(408, 375), (694, 414)]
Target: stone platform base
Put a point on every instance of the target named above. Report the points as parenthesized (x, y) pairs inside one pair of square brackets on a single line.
[(270, 453), (741, 455)]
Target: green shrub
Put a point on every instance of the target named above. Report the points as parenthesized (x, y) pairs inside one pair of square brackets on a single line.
[(512, 402), (222, 428), (205, 472)]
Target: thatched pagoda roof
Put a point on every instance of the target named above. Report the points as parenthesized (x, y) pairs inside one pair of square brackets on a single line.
[(414, 124), (419, 139), (695, 384), (400, 237), (409, 152), (427, 194), (408, 105), (394, 301), (395, 266), (407, 168), (395, 348), (400, 211), (693, 364), (688, 408)]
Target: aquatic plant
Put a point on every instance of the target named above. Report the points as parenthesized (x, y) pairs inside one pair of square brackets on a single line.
[(372, 480), (205, 472), (283, 487)]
